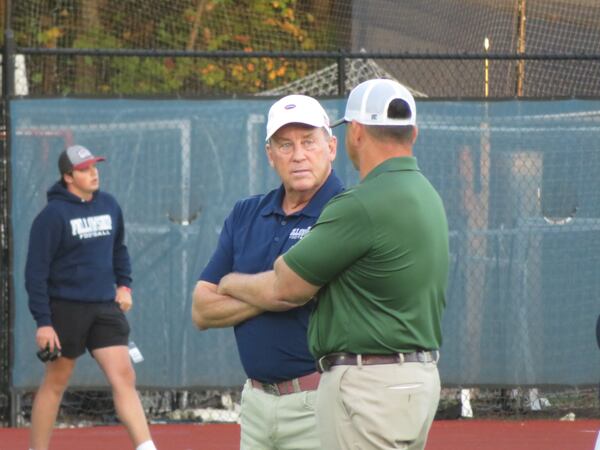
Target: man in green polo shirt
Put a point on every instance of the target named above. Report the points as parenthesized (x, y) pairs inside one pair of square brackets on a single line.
[(377, 262)]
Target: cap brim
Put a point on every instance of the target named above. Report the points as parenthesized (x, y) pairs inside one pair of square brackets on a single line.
[(338, 122), (89, 162), (298, 122)]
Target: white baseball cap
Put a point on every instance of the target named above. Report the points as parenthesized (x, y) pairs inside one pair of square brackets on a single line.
[(296, 109), (369, 102)]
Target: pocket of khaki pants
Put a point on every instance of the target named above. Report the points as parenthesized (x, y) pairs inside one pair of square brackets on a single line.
[(310, 400), (404, 387), (381, 403), (408, 406)]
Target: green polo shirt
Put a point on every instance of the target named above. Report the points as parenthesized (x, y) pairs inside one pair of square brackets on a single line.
[(380, 251)]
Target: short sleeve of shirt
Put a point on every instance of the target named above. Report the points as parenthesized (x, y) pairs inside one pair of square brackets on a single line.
[(221, 262), (341, 235)]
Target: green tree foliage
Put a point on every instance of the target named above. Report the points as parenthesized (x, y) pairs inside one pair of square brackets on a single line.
[(207, 25)]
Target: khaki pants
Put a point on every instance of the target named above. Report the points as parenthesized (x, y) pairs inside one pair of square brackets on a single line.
[(387, 406), (271, 422)]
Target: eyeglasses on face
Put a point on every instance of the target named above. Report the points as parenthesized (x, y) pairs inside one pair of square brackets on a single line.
[(287, 147)]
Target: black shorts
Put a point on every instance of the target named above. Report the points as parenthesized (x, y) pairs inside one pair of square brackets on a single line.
[(91, 325)]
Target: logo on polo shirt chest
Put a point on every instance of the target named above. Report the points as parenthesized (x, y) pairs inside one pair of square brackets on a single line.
[(91, 227), (299, 233)]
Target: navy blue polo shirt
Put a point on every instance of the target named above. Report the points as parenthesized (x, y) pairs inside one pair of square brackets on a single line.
[(273, 345)]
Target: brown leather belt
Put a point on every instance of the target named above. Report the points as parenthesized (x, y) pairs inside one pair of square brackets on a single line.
[(324, 363), (308, 382)]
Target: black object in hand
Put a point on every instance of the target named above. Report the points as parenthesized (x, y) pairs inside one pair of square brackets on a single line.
[(46, 355)]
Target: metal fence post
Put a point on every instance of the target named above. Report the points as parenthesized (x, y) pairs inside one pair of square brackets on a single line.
[(6, 297), (341, 63), (8, 58)]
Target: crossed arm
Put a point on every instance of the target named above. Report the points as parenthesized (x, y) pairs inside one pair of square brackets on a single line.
[(239, 297), (279, 289), (213, 310)]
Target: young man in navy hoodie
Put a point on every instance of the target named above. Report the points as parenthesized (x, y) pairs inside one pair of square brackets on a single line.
[(78, 277)]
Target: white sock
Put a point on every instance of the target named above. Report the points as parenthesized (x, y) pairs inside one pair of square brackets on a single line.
[(148, 445)]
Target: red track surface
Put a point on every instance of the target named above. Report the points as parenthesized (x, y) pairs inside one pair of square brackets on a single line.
[(445, 435)]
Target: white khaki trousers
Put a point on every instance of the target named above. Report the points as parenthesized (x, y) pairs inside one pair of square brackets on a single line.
[(372, 407), (271, 422)]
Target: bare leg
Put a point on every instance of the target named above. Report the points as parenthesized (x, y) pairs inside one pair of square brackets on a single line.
[(47, 401), (118, 369)]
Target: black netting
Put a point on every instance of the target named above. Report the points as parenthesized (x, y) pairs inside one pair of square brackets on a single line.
[(452, 27)]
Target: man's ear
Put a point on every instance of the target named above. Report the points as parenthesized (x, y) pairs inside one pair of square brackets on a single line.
[(269, 156), (415, 133), (357, 131), (332, 145)]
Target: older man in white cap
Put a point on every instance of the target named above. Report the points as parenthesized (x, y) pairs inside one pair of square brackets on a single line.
[(279, 397), (377, 259)]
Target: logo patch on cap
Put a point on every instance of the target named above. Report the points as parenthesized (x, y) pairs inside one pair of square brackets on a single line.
[(296, 109), (380, 101), (84, 153)]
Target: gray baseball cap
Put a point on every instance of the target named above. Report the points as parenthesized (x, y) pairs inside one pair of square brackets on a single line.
[(76, 157)]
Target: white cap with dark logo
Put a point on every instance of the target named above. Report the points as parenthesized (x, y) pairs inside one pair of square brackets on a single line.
[(296, 109), (369, 104), (76, 157)]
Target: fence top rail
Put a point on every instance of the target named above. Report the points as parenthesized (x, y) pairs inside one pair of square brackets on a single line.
[(302, 55)]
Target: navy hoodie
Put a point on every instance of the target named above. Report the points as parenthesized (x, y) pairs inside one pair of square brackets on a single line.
[(76, 252)]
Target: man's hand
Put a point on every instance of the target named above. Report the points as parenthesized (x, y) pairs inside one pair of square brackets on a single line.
[(47, 337), (123, 298), (212, 310)]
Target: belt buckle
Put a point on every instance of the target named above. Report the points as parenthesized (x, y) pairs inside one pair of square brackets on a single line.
[(271, 388), (322, 365), (430, 356)]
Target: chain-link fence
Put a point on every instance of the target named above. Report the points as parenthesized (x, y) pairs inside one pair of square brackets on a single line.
[(440, 49), (204, 49), (95, 407), (318, 74), (163, 406)]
